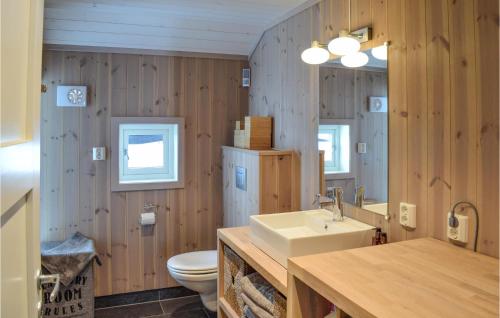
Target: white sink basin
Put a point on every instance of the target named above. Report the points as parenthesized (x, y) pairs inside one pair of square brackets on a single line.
[(285, 235)]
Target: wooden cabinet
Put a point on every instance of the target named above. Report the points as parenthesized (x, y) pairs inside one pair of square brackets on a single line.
[(270, 183)]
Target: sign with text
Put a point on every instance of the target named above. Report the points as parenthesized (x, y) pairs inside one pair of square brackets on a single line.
[(75, 300)]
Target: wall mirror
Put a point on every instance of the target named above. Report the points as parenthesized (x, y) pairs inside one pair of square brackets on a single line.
[(353, 130)]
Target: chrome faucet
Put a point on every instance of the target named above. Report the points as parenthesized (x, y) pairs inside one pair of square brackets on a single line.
[(338, 196), (317, 200), (359, 197)]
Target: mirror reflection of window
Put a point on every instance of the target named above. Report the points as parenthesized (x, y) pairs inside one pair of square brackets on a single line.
[(334, 141)]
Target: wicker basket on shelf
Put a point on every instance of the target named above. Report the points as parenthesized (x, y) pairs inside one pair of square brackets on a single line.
[(235, 269)]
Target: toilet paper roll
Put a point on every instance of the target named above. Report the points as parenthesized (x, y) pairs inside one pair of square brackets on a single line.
[(147, 218)]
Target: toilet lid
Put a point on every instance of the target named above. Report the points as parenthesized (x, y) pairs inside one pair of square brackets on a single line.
[(201, 261)]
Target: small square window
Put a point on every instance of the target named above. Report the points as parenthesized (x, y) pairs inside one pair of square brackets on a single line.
[(334, 141), (147, 153)]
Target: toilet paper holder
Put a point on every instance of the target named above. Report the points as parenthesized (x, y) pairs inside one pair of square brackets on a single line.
[(148, 215)]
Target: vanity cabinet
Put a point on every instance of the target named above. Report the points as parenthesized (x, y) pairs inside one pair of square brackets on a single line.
[(237, 241), (258, 182)]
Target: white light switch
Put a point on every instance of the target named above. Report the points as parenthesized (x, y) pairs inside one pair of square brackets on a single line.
[(459, 233), (408, 215), (361, 147), (98, 153)]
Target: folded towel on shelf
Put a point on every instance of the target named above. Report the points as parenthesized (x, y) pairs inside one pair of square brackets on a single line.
[(258, 312), (248, 312), (68, 258), (264, 294)]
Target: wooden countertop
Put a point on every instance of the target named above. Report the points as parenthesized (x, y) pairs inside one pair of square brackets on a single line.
[(238, 239), (416, 278)]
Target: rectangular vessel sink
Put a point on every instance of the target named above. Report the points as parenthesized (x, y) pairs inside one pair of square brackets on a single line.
[(285, 235)]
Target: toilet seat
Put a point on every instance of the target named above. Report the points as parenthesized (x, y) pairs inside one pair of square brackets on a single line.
[(192, 272), (197, 271), (193, 277), (194, 263)]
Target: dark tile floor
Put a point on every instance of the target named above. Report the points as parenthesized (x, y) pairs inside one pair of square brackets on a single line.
[(184, 307)]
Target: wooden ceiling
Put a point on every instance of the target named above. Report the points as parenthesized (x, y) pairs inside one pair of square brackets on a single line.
[(202, 26)]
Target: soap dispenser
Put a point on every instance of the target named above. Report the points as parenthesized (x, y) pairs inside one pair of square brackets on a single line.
[(380, 237)]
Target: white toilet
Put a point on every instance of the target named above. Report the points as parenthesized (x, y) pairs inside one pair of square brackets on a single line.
[(197, 271)]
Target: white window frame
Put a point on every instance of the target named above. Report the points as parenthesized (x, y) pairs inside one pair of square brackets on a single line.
[(351, 146), (170, 176), (335, 162)]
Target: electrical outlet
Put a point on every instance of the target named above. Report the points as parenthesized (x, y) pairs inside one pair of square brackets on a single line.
[(461, 232), (408, 215)]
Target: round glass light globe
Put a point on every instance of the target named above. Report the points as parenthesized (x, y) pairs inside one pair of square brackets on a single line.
[(315, 55), (380, 52), (357, 59), (344, 45)]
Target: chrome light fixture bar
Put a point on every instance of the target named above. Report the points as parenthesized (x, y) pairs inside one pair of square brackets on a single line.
[(347, 43)]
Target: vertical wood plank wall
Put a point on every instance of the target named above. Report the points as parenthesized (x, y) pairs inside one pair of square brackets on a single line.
[(287, 89), (443, 100), (76, 190), (343, 94)]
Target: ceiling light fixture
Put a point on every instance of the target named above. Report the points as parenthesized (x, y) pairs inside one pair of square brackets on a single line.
[(347, 43), (380, 52), (357, 59), (316, 54), (344, 44)]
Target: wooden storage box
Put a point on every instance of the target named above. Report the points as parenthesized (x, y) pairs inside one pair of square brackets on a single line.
[(255, 133)]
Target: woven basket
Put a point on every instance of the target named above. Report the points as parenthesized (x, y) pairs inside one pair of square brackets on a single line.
[(235, 268), (280, 305)]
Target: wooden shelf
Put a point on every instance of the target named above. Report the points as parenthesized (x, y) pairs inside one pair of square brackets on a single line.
[(227, 309), (238, 239)]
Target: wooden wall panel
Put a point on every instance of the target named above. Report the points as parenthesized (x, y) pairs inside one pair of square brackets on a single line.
[(287, 89), (463, 99), (438, 115), (398, 115), (443, 104), (416, 82), (487, 85), (76, 190), (334, 18), (361, 11)]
